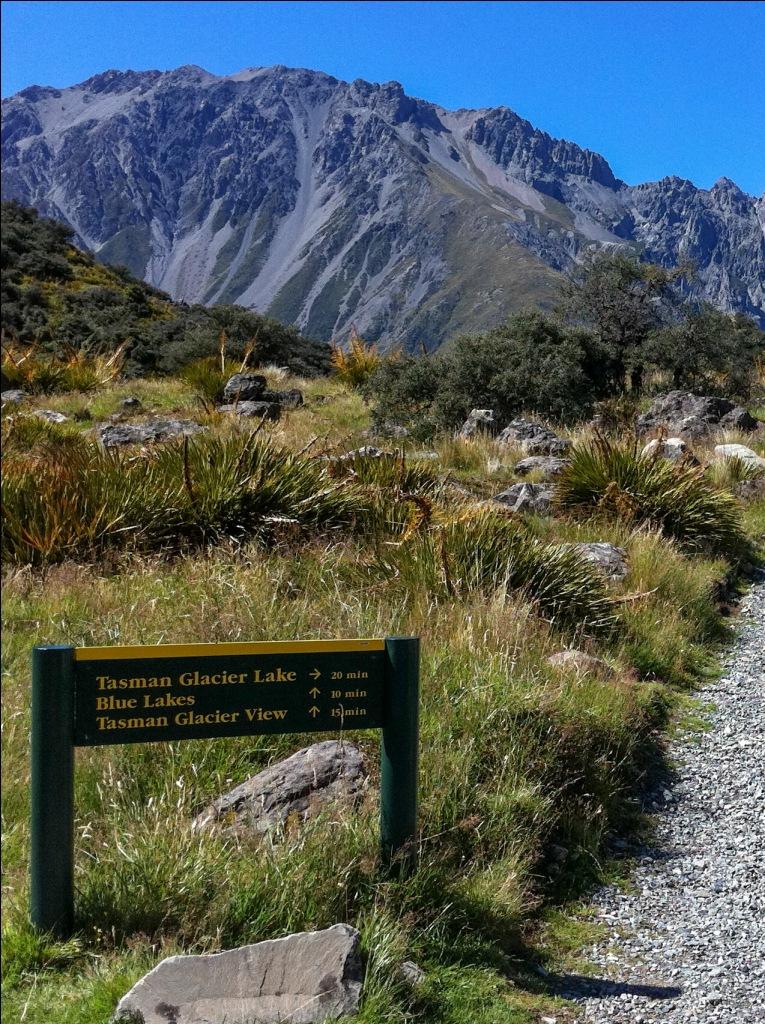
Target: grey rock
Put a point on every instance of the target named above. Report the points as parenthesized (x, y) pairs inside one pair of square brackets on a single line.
[(292, 398), (547, 465), (580, 662), (694, 416), (300, 979), (131, 404), (367, 451), (527, 498), (741, 452), (412, 973), (14, 396), (303, 784), (671, 448), (253, 410), (750, 490), (607, 558), (480, 421), (115, 435), (246, 387), (533, 438), (51, 416)]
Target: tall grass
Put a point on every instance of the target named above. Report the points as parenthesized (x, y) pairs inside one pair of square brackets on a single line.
[(356, 364), (613, 480), (75, 370), (480, 550), (65, 497)]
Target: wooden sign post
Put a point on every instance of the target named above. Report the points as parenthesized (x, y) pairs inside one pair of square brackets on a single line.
[(93, 696)]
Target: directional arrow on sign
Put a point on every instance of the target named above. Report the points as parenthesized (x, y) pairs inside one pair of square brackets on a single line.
[(315, 692), (315, 674), (313, 712)]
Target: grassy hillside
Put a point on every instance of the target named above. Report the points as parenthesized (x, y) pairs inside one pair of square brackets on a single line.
[(55, 295), (528, 769)]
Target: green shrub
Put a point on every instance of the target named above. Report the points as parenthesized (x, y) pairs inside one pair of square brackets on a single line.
[(616, 481)]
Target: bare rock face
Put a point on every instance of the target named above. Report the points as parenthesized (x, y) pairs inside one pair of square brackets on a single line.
[(527, 498), (534, 438), (115, 435), (607, 558), (547, 465), (13, 396), (303, 978), (693, 416), (246, 387), (480, 421), (303, 784)]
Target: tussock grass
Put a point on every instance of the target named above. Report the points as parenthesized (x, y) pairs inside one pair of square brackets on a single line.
[(613, 480), (485, 551), (75, 370), (65, 497)]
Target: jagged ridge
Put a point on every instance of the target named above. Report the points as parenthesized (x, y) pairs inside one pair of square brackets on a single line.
[(327, 203)]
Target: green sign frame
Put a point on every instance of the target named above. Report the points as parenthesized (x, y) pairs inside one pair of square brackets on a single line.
[(98, 696)]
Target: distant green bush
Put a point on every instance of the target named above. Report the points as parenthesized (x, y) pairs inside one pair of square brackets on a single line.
[(531, 362)]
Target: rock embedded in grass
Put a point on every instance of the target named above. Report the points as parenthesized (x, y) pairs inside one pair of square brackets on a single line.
[(246, 387), (115, 435), (302, 978), (50, 416), (533, 438), (610, 560), (580, 662), (527, 498), (131, 404), (14, 396), (694, 415), (479, 421), (547, 465), (671, 448), (741, 452), (253, 410), (311, 780)]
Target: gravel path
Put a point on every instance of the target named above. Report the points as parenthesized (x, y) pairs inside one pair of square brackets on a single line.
[(687, 946)]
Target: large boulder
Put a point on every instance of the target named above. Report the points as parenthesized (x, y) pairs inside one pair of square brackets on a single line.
[(303, 784), (253, 410), (303, 978), (246, 387), (547, 465), (115, 435), (609, 560), (535, 498), (692, 416), (533, 438), (480, 421), (741, 452)]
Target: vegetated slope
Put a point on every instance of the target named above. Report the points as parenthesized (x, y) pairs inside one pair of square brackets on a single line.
[(54, 294), (327, 203)]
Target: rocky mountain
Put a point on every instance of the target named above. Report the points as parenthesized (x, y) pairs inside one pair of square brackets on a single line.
[(326, 203)]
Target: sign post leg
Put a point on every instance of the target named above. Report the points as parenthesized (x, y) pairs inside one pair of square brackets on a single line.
[(400, 744), (52, 790)]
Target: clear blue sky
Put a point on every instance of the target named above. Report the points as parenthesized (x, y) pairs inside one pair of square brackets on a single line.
[(657, 88)]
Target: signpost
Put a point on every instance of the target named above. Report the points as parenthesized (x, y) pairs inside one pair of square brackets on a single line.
[(93, 696)]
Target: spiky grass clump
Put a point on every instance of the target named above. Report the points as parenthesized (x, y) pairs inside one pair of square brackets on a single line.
[(356, 364), (616, 481), (482, 551), (75, 370), (68, 498)]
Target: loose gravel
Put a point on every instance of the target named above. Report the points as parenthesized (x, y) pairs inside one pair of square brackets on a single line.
[(687, 945)]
